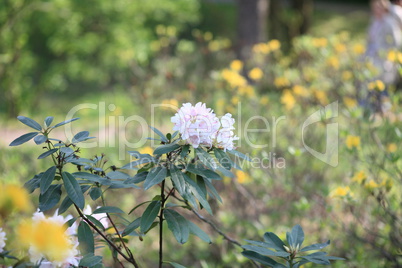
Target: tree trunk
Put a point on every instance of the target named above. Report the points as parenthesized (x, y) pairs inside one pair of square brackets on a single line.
[(305, 10)]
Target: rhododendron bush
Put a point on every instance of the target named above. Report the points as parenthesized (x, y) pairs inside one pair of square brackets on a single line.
[(181, 172)]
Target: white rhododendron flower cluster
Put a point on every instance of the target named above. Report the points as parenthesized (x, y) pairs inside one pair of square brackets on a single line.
[(71, 256), (2, 240), (199, 125)]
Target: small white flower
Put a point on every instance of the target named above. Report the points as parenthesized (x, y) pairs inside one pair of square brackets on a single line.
[(2, 240), (102, 217)]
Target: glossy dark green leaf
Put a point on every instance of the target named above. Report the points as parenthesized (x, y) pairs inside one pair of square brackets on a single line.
[(160, 134), (149, 215), (29, 122), (131, 227), (90, 260), (86, 238), (223, 158), (65, 204), (108, 209), (96, 222), (73, 189), (33, 183), (167, 148), (48, 121), (50, 198), (80, 136), (200, 170), (95, 193), (206, 158), (47, 179), (213, 192), (39, 139), (318, 258), (198, 193), (92, 178), (315, 246), (178, 179), (239, 154), (177, 224), (274, 241), (139, 177), (195, 230), (259, 258), (175, 265), (185, 151), (23, 139), (265, 251), (155, 176), (47, 153), (137, 206), (297, 236), (65, 122)]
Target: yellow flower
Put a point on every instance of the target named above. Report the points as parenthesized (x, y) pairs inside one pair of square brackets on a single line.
[(359, 49), (341, 192), (261, 48), (347, 75), (234, 100), (300, 91), (288, 99), (392, 55), (371, 185), (333, 62), (208, 36), (319, 42), (236, 65), (255, 73), (350, 102), (233, 78), (247, 90), (391, 148), (340, 48), (352, 141), (321, 96), (170, 104), (376, 85), (264, 100), (242, 177), (281, 82), (13, 198), (147, 150), (214, 46), (359, 177), (274, 44), (47, 237)]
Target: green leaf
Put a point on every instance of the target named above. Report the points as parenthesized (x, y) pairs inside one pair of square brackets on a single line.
[(239, 154), (185, 151), (198, 193), (225, 172), (178, 180), (318, 258), (139, 177), (49, 199), (177, 224), (137, 206), (167, 148), (95, 193), (47, 179), (206, 158), (274, 241), (33, 183), (265, 251), (23, 139), (108, 209), (29, 122), (206, 173), (39, 139), (160, 134), (149, 215), (195, 230), (315, 246), (65, 122), (47, 153), (65, 204), (48, 121), (86, 238), (81, 136), (155, 176), (131, 227), (96, 222), (92, 178), (175, 265), (90, 260), (297, 236), (213, 192), (73, 189), (258, 258), (223, 158)]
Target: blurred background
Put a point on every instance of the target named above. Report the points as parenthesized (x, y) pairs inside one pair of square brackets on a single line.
[(247, 57)]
